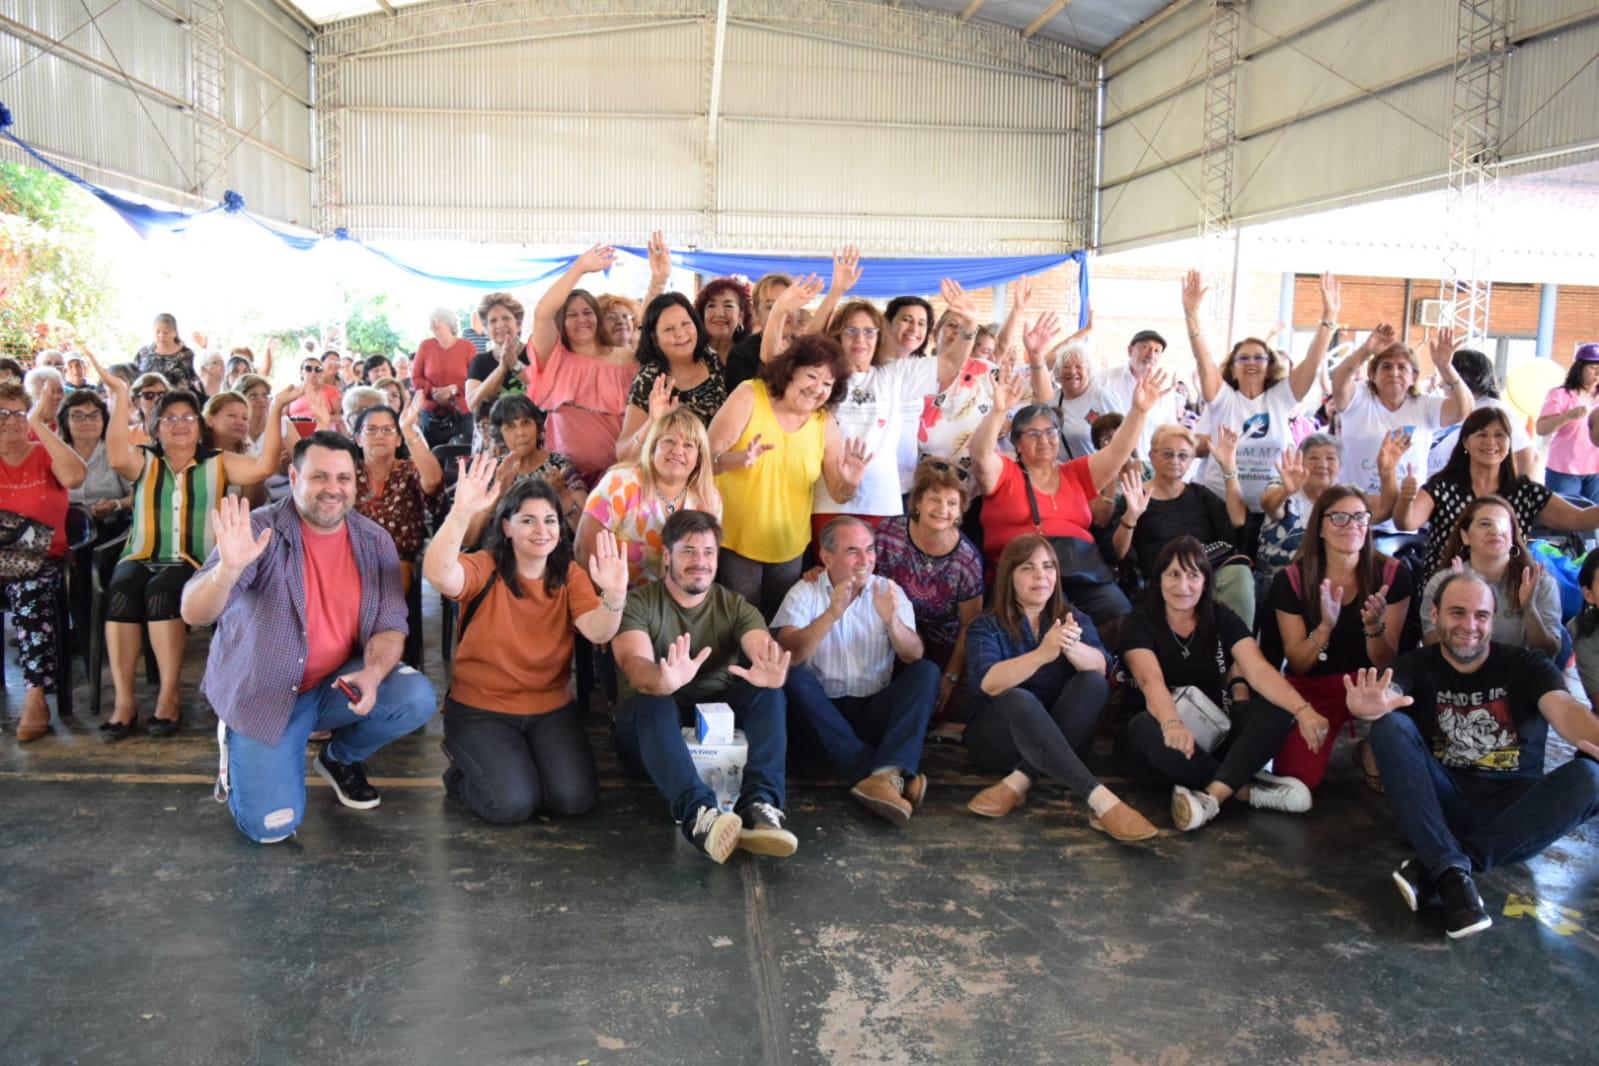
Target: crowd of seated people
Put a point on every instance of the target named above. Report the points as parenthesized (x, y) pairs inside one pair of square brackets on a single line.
[(856, 528)]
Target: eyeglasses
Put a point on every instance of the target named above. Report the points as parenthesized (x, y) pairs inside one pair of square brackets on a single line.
[(7, 415), (1251, 358), (1167, 453), (1033, 436), (89, 415), (152, 394), (172, 421), (380, 431), (310, 368), (616, 318), (856, 332), (1343, 518)]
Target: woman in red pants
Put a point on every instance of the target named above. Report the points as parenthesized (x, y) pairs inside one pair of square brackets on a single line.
[(1339, 606)]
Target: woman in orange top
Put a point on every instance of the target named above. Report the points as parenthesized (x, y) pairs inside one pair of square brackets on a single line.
[(514, 737)]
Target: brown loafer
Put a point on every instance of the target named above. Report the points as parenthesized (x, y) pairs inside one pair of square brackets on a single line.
[(27, 733), (996, 801), (1123, 823), (880, 794), (916, 790)]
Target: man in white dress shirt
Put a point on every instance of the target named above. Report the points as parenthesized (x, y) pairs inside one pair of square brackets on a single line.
[(845, 630), (1143, 354)]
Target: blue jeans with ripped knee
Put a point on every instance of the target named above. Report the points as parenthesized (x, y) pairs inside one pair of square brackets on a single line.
[(266, 782)]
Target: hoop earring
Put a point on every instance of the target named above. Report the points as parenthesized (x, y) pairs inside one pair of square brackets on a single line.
[(1515, 551)]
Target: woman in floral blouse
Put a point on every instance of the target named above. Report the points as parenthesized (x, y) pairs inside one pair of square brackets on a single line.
[(633, 500), (398, 494)]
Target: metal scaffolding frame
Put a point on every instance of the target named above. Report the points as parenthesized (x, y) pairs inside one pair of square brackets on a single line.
[(328, 120), (1482, 36), (1220, 136)]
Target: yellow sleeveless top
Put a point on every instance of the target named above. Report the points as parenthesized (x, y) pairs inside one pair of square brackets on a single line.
[(766, 508)]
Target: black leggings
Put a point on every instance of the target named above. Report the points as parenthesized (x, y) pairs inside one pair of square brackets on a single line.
[(1258, 731), (146, 592), (1017, 732), (513, 765)]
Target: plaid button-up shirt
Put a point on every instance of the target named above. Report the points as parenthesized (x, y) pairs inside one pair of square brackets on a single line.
[(257, 659)]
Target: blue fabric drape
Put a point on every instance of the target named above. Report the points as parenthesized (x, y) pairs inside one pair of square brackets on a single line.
[(880, 277)]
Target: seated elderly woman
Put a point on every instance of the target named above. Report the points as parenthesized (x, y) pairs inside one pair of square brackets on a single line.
[(926, 554), (1183, 723), (395, 395), (178, 479), (513, 734), (1036, 680), (358, 398), (46, 388), (210, 368), (34, 480), (516, 430), (257, 393), (1150, 513), (104, 493), (632, 501), (398, 494), (1040, 494), (621, 316)]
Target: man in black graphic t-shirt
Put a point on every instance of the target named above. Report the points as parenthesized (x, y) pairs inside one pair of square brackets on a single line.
[(1463, 765)]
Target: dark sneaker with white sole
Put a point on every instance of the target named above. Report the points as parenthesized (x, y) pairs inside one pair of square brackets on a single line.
[(763, 831), (1464, 913), (348, 780), (1414, 887), (714, 831)]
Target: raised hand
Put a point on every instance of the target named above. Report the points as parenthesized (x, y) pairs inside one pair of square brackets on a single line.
[(287, 396), (767, 669), (1151, 387), (1331, 298), (846, 270), (1009, 390), (1021, 294), (660, 260), (118, 388), (410, 416), (607, 568), (1442, 347), (1332, 602), (237, 545), (1381, 338), (883, 600), (1394, 445), (1410, 487), (598, 258), (1224, 447), (1291, 470), (679, 667), (1136, 495), (1194, 291), (662, 401), (854, 461), (1373, 695), (797, 295), (1371, 611), (743, 458), (957, 299), (476, 487), (1038, 339), (1529, 585)]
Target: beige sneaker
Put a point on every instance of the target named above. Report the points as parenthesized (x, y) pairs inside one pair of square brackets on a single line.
[(880, 794)]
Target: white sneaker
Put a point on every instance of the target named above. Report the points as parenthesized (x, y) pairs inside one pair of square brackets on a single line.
[(1190, 809), (1272, 793)]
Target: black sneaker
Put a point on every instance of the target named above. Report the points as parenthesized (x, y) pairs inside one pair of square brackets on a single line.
[(763, 831), (348, 780), (713, 831), (1414, 887), (1464, 913)]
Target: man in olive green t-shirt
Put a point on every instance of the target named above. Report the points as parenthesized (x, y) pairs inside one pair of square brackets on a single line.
[(679, 644)]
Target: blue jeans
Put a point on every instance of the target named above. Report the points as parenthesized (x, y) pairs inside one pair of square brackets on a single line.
[(1469, 821), (267, 781), (858, 734), (1584, 485), (649, 741)]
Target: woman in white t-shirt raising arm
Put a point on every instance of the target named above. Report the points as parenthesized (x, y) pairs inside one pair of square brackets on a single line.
[(1255, 394)]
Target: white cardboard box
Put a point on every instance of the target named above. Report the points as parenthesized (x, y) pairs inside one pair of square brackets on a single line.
[(720, 766), (713, 723)]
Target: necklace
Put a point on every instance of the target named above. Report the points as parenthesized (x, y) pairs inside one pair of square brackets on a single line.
[(1183, 645), (673, 504)]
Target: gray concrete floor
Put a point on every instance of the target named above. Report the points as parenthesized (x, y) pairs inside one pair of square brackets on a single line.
[(136, 926)]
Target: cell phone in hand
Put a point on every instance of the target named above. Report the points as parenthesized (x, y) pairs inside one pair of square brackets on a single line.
[(351, 693)]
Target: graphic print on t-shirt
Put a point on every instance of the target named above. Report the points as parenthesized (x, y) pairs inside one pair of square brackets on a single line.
[(1255, 427), (1475, 730)]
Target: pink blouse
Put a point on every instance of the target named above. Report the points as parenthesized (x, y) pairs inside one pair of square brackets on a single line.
[(586, 400)]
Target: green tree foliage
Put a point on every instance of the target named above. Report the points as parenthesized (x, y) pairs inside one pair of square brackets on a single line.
[(52, 286), (367, 328)]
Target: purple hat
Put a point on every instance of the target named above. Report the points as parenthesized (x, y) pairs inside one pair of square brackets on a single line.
[(1587, 353)]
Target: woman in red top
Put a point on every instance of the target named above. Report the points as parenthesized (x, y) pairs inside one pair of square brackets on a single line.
[(34, 479), (1040, 494), (439, 373)]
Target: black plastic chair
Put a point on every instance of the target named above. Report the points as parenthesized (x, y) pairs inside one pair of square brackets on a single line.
[(80, 533), (449, 456)]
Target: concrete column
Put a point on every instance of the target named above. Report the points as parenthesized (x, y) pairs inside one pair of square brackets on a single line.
[(1546, 320), (1285, 313), (1001, 305)]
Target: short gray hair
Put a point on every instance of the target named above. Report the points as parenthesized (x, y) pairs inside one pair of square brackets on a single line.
[(358, 397), (448, 317), (33, 381), (831, 530)]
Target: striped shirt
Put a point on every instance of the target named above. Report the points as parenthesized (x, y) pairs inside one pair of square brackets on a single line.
[(170, 508), (855, 658)]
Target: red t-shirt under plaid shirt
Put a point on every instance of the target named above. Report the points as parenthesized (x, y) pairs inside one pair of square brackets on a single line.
[(332, 602)]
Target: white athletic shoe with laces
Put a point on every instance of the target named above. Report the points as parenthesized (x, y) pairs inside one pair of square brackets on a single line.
[(1190, 809), (1270, 792)]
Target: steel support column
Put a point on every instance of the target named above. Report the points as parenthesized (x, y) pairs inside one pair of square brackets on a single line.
[(1216, 154), (208, 62)]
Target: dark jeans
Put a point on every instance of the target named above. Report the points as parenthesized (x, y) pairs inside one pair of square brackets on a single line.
[(763, 584), (1017, 732), (1584, 485), (444, 426), (858, 734), (513, 765), (1470, 821), (649, 741), (1258, 731)]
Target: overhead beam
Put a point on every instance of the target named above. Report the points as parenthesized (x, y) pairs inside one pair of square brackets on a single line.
[(971, 9), (1049, 12), (388, 8)]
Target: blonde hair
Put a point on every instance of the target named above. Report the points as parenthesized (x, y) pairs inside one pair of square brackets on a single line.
[(702, 479), (1172, 429)]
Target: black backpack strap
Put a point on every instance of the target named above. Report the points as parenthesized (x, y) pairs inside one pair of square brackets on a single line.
[(477, 601)]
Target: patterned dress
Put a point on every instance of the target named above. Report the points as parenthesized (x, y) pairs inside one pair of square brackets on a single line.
[(936, 584), (398, 505), (618, 504)]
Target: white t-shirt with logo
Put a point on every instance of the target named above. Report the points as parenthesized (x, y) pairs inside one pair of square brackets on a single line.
[(874, 408), (1368, 419), (1263, 431)]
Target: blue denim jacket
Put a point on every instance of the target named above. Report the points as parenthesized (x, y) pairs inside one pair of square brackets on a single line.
[(252, 676), (988, 643)]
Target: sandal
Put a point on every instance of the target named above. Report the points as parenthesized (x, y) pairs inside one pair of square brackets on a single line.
[(1358, 753)]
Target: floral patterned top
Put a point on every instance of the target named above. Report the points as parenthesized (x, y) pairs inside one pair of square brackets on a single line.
[(177, 368), (398, 505), (950, 417), (936, 584), (617, 504), (704, 399), (563, 476)]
